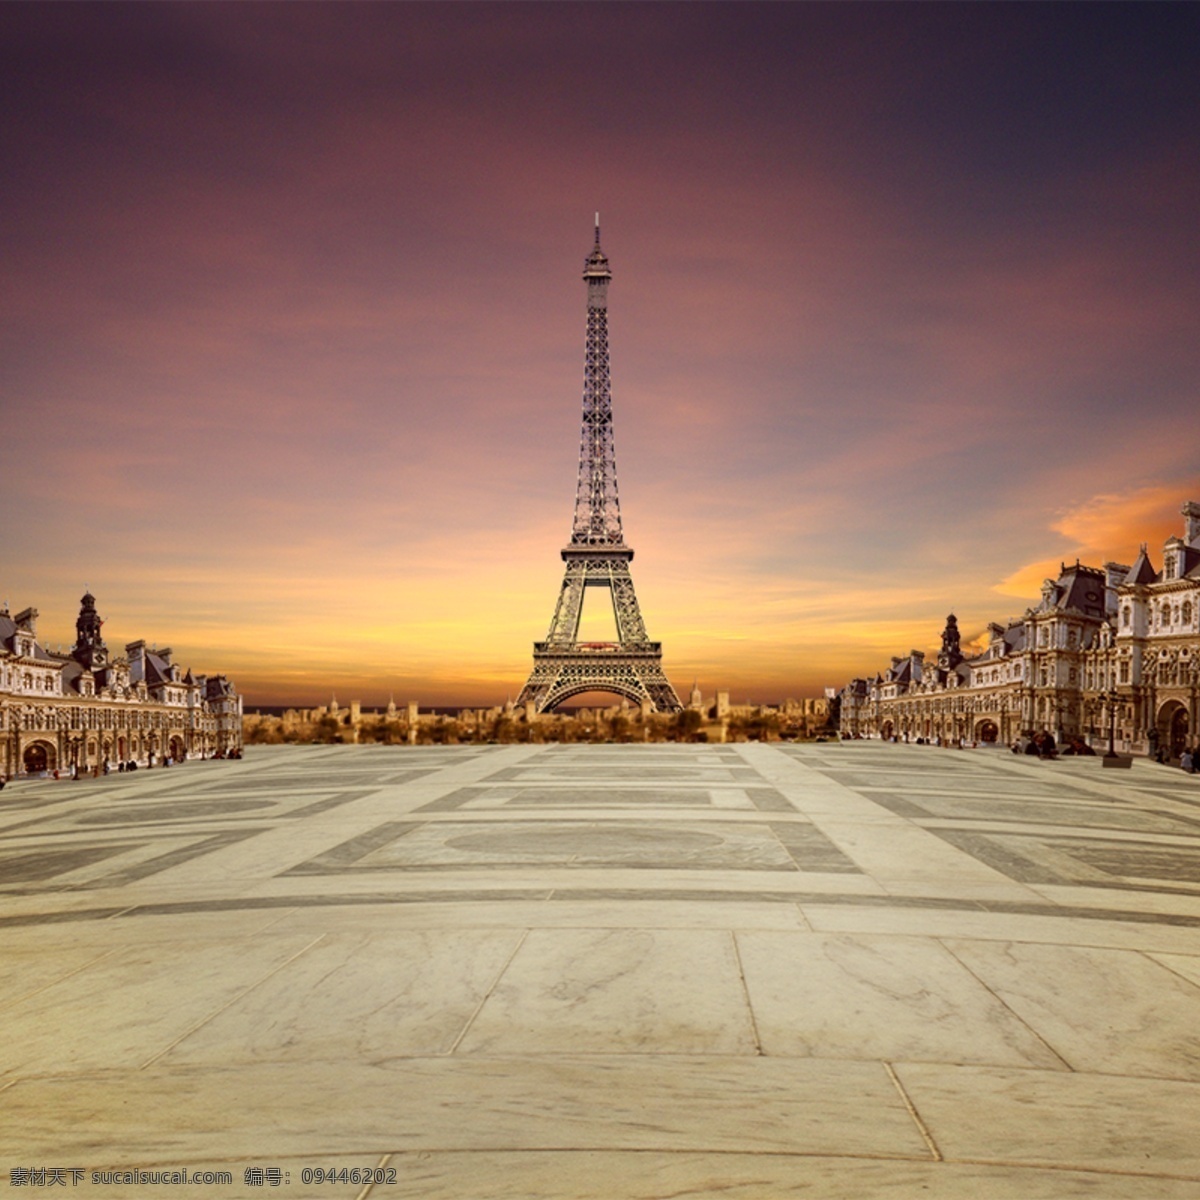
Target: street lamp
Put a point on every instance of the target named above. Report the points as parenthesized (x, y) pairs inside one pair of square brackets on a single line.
[(1110, 698)]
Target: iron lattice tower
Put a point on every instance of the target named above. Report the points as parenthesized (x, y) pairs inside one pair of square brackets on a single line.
[(597, 555)]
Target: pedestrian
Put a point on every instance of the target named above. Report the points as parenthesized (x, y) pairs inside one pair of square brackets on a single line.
[(1187, 761)]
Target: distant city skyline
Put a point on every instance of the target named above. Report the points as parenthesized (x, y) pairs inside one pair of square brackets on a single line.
[(905, 312)]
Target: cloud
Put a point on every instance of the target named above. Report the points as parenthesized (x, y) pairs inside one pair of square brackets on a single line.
[(1108, 528)]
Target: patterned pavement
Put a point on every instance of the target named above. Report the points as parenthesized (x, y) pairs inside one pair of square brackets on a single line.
[(607, 971)]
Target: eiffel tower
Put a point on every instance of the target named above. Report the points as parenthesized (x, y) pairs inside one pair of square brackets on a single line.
[(597, 556)]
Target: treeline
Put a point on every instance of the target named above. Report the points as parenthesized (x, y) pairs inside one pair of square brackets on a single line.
[(509, 728)]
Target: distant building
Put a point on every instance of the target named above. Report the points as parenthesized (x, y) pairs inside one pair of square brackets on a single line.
[(81, 709), (1113, 648)]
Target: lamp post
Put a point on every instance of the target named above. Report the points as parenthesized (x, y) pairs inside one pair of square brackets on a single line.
[(1110, 698)]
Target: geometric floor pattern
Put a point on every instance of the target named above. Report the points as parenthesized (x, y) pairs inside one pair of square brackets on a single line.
[(554, 972)]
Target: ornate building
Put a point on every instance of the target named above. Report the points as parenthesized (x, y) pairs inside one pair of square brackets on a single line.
[(1108, 650), (83, 708)]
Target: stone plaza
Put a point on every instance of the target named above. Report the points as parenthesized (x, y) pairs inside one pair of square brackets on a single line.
[(606, 972)]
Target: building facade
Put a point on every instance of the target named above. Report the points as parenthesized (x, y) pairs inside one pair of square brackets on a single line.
[(84, 709), (1108, 652)]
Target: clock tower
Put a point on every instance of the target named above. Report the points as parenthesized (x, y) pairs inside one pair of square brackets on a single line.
[(90, 650)]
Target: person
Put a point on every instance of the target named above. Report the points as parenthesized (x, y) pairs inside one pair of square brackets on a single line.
[(1186, 761)]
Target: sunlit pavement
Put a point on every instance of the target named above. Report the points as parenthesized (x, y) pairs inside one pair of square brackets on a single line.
[(607, 971)]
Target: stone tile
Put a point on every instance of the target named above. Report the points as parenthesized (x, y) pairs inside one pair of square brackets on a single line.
[(1187, 966), (610, 797), (131, 1005), (650, 1175), (585, 912), (1065, 929), (1110, 1011), (613, 991), (1058, 1119), (1146, 901), (41, 863), (645, 844), (908, 861), (359, 997), (25, 970), (811, 850), (844, 996), (639, 1102)]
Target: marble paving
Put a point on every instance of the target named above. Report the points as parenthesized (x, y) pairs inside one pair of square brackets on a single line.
[(577, 972)]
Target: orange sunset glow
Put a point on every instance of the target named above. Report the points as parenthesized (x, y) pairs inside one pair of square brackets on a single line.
[(904, 312)]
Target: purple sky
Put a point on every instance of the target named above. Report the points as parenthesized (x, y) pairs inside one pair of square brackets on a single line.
[(905, 307)]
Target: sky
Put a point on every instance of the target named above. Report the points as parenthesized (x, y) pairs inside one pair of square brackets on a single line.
[(905, 311)]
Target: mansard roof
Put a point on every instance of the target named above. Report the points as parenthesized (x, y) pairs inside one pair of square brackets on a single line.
[(218, 685), (1080, 588), (71, 672), (8, 632)]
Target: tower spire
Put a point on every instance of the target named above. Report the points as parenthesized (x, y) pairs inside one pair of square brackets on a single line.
[(597, 509)]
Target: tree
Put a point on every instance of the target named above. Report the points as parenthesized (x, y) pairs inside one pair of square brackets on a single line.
[(686, 725)]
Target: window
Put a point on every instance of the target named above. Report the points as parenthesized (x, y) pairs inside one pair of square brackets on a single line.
[(1125, 618), (1125, 670)]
